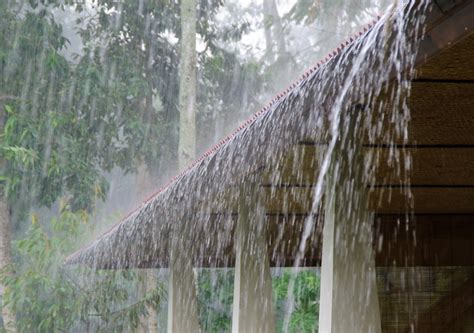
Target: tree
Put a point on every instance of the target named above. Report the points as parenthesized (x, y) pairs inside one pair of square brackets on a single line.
[(130, 43), (273, 30), (216, 293), (19, 158), (187, 84), (50, 297), (143, 40), (8, 316), (305, 315), (61, 125)]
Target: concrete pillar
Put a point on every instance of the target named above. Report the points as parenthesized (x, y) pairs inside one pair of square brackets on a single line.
[(349, 300), (252, 309), (182, 296)]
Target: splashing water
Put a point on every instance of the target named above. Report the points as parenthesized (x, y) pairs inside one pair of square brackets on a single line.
[(198, 209)]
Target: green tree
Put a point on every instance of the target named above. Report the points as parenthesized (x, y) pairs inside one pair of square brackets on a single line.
[(215, 295), (22, 126), (138, 45), (62, 125), (305, 314), (50, 297)]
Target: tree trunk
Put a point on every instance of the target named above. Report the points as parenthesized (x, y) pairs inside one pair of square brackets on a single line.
[(267, 23), (182, 315), (273, 30), (187, 85), (276, 54), (9, 320)]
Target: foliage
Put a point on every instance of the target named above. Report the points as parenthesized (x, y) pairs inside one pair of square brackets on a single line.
[(128, 63), (305, 11), (142, 40), (215, 297), (304, 317), (45, 145), (49, 297)]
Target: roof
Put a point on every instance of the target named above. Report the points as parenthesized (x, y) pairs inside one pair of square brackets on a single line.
[(293, 123)]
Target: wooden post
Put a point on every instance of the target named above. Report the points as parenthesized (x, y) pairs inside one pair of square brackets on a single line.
[(349, 300), (252, 310)]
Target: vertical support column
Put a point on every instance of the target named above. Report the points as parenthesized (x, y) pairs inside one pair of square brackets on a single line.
[(182, 295), (148, 320), (349, 299), (252, 309), (151, 283)]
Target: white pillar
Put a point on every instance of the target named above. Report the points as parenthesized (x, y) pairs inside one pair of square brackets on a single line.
[(252, 309), (349, 299), (182, 296)]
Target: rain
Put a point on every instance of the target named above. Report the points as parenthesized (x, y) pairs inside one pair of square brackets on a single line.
[(236, 166)]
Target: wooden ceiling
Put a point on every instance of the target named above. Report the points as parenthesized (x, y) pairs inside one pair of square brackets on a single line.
[(441, 145)]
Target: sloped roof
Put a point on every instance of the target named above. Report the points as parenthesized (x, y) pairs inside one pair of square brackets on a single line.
[(288, 121)]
